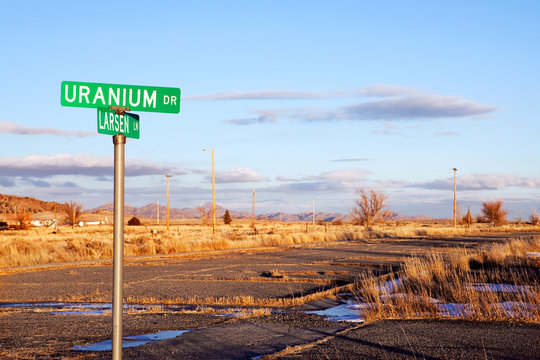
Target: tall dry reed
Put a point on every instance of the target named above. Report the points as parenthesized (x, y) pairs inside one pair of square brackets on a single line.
[(462, 277)]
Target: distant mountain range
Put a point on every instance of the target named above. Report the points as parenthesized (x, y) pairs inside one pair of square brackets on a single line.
[(150, 211), (10, 204)]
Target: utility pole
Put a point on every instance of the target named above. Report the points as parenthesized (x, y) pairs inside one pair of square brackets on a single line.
[(455, 201), (253, 210), (213, 193), (213, 196), (157, 212), (313, 211), (168, 176)]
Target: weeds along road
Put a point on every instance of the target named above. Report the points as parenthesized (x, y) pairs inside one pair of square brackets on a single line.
[(253, 278), (263, 273)]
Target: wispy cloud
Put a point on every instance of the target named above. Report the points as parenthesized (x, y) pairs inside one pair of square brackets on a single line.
[(8, 127), (481, 182), (388, 91), (269, 95), (422, 107), (341, 176), (380, 90), (350, 160), (389, 129), (237, 175), (81, 164), (447, 133), (345, 179), (404, 108), (262, 116)]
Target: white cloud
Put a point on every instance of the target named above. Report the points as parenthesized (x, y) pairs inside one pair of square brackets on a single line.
[(336, 180), (14, 128), (79, 164), (388, 91), (405, 108), (350, 160), (268, 95), (481, 182), (446, 133), (392, 109), (237, 175)]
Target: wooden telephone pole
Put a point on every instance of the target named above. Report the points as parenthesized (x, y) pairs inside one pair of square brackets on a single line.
[(455, 200), (253, 210)]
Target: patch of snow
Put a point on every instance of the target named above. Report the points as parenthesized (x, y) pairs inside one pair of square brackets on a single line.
[(350, 312), (507, 288)]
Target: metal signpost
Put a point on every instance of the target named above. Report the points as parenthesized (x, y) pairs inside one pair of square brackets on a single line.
[(112, 101)]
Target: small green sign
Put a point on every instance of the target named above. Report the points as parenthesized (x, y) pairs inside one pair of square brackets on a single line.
[(136, 98), (110, 123)]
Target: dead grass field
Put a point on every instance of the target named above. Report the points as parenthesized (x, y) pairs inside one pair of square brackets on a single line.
[(66, 244)]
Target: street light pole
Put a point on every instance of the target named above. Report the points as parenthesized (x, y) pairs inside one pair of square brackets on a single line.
[(253, 210), (313, 211), (168, 176), (213, 194), (455, 201)]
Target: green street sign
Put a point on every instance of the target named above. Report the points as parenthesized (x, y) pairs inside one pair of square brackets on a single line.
[(136, 98), (110, 123)]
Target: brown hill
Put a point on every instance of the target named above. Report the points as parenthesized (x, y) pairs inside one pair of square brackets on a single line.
[(11, 204)]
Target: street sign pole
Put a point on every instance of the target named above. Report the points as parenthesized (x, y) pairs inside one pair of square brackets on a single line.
[(119, 141), (112, 101)]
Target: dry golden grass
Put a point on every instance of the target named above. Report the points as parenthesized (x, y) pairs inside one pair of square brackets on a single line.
[(455, 278), (248, 301), (43, 246)]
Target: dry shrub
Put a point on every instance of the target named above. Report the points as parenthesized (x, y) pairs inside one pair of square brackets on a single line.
[(23, 220), (493, 212), (73, 211), (534, 219), (134, 221)]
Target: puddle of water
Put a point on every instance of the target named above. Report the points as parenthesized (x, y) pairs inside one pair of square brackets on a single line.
[(131, 341), (91, 308), (350, 312)]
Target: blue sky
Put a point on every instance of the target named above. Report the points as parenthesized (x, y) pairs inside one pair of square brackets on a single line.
[(300, 99)]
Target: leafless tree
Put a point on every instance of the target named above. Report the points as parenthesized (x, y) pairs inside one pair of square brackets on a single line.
[(493, 212), (368, 206), (73, 211), (467, 219), (534, 219), (23, 220)]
